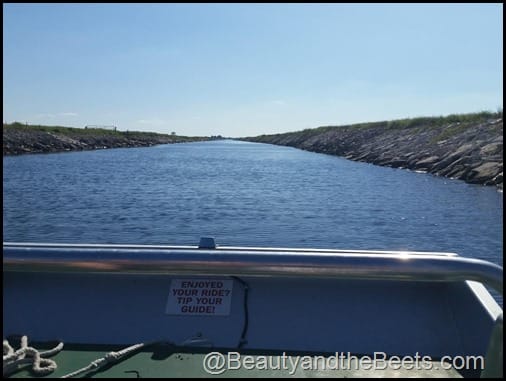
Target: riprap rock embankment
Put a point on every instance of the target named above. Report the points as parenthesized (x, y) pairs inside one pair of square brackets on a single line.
[(466, 147), (20, 139)]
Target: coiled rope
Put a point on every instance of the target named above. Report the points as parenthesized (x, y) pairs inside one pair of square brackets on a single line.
[(12, 359)]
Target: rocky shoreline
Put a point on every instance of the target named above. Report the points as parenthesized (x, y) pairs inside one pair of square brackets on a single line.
[(19, 140), (466, 147)]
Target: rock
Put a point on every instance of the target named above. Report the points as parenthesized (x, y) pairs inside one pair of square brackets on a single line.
[(398, 163), (426, 163), (484, 173), (491, 149), (465, 149)]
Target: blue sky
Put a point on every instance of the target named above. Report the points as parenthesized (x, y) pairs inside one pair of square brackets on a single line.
[(247, 69)]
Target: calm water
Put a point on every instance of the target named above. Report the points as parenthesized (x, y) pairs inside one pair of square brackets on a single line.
[(244, 194)]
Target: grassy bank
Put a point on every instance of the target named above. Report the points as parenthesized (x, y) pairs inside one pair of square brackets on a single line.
[(468, 147), (21, 138), (457, 123)]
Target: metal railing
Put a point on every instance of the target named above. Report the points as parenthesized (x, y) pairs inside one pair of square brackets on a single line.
[(189, 260)]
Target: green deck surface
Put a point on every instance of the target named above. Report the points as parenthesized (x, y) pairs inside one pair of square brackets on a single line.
[(166, 361)]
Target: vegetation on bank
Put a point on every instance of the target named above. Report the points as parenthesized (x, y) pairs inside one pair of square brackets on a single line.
[(457, 123), (19, 138), (73, 132)]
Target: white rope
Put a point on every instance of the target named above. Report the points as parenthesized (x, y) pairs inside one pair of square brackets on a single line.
[(108, 358), (12, 360)]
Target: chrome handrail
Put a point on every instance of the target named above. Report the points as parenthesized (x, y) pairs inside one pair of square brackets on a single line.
[(190, 260)]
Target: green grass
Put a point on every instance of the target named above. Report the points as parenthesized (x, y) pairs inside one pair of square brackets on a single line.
[(61, 129), (98, 132), (420, 123), (428, 121)]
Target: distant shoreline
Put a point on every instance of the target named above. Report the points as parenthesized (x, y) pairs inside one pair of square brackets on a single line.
[(467, 147), (19, 139)]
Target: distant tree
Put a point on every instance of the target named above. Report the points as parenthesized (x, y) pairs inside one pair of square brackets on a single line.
[(173, 133)]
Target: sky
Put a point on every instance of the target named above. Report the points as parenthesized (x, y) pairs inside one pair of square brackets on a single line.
[(243, 69)]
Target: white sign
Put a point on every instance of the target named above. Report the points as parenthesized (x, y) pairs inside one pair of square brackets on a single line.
[(201, 297)]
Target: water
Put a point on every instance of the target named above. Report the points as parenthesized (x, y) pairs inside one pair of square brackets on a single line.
[(244, 194)]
